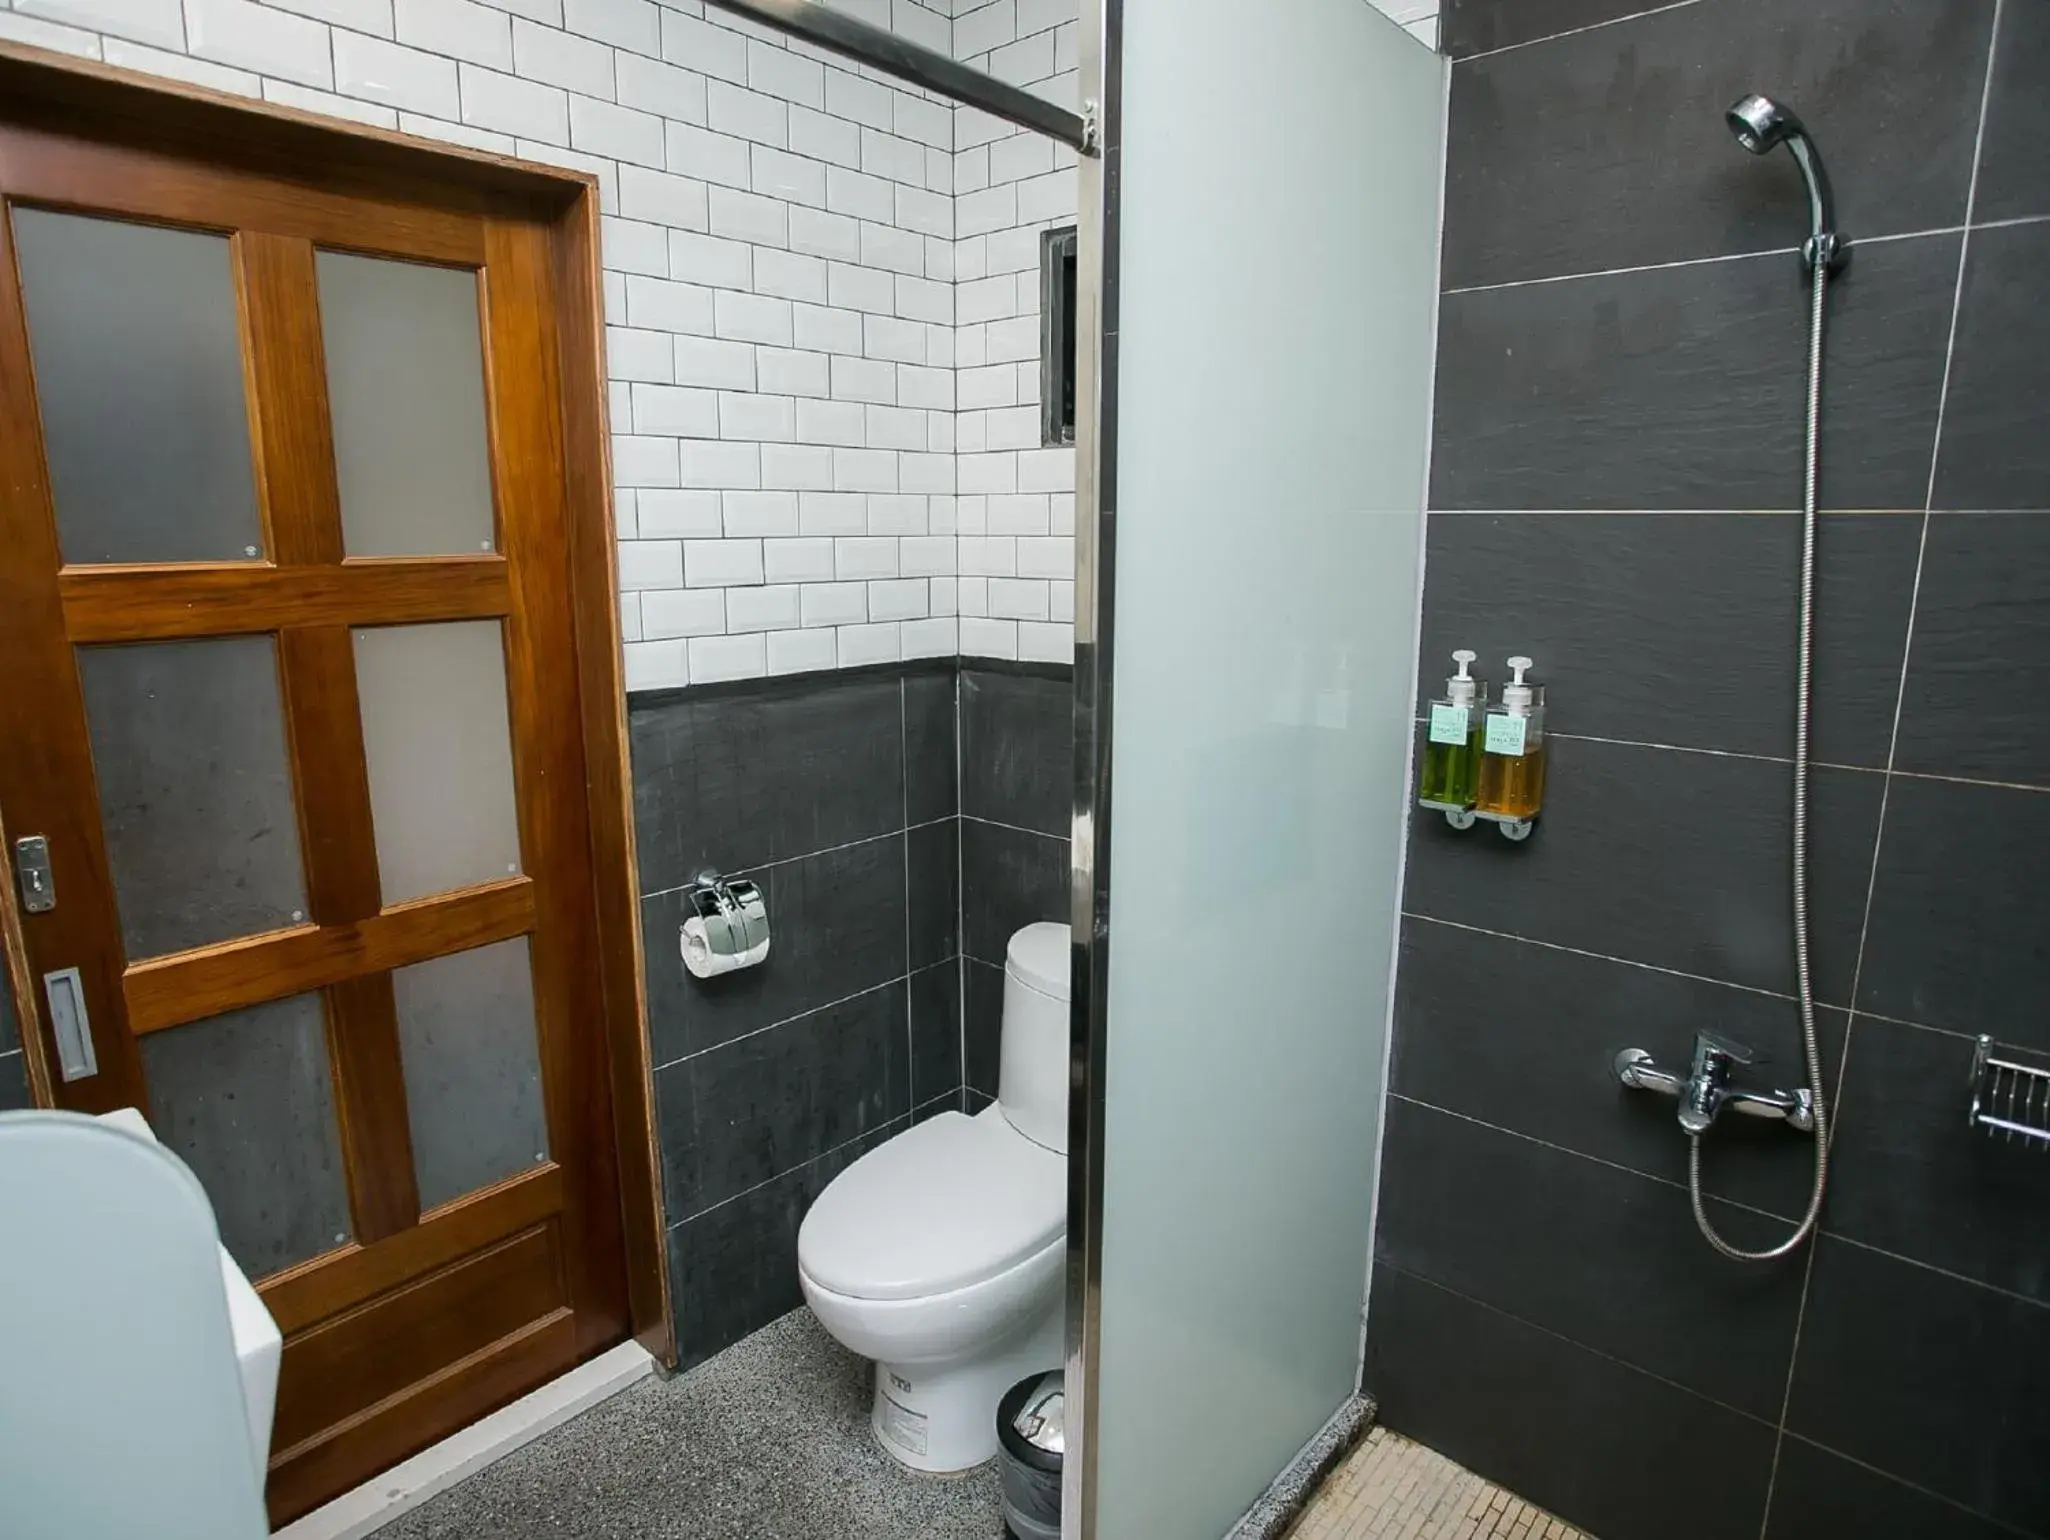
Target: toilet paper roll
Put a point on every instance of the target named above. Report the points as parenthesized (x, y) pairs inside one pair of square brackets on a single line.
[(710, 947)]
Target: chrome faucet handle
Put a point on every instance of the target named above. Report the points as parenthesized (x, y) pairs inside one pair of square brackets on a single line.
[(1711, 1048)]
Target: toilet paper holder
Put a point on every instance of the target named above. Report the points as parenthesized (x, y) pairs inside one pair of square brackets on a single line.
[(728, 926)]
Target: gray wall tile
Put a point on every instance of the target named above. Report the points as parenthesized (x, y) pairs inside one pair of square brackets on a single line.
[(752, 1109), (1675, 627), (933, 875), (1684, 387), (1910, 1178), (1678, 860), (935, 1031), (733, 1269), (734, 780), (1524, 1037), (1979, 669), (1606, 1446), (1009, 879), (1815, 1493), (1605, 1258), (1956, 935), (2014, 162), (1017, 749), (1580, 156), (982, 1015), (1995, 453), (931, 770), (837, 926), (1930, 1378)]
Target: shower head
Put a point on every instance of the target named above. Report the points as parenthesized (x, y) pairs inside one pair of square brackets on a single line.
[(1761, 124)]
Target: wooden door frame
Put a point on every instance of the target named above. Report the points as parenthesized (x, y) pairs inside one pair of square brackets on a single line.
[(124, 108)]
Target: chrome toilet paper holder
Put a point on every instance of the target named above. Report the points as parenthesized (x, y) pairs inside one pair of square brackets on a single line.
[(728, 926)]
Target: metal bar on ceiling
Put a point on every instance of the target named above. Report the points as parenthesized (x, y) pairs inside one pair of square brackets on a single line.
[(908, 61)]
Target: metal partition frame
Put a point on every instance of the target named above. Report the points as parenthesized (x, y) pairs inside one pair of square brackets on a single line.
[(935, 72), (1096, 438)]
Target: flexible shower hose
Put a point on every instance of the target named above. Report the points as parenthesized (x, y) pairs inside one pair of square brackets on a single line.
[(1811, 1043)]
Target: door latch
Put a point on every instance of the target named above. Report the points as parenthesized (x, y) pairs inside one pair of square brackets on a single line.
[(32, 874)]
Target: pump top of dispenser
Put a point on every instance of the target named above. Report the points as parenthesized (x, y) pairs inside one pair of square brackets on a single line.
[(1459, 689), (1516, 695)]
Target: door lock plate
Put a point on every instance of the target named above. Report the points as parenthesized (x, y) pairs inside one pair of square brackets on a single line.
[(33, 875)]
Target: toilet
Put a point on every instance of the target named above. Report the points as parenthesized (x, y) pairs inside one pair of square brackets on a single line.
[(941, 1253)]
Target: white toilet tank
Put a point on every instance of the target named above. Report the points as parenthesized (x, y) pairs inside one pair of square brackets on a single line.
[(1033, 1084)]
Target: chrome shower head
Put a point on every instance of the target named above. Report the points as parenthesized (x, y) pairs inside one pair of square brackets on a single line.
[(1760, 124)]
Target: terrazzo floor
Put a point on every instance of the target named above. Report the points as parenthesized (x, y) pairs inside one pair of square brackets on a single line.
[(1392, 1489), (768, 1441)]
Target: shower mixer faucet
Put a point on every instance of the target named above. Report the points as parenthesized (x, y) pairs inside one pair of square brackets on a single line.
[(1705, 1090)]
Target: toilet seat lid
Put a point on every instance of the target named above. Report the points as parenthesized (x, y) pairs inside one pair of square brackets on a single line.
[(950, 1202)]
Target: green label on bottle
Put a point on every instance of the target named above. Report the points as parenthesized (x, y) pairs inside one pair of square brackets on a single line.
[(1448, 724), (1506, 734)]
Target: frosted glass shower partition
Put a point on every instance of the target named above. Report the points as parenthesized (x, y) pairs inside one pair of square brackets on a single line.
[(1270, 251)]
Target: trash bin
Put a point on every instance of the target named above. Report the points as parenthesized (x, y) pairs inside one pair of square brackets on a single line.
[(1031, 1439)]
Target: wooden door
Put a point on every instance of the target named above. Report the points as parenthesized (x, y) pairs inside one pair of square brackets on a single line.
[(293, 696)]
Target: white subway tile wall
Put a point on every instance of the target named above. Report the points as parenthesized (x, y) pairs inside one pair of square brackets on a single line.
[(1010, 186), (821, 291)]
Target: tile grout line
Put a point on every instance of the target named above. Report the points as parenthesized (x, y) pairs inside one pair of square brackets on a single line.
[(1942, 1272), (809, 855), (1599, 1160), (1958, 1034), (699, 1053), (1552, 37), (1892, 748), (1015, 828), (1780, 759), (1889, 238), (1622, 272), (1608, 957), (767, 1181), (1912, 1486), (1574, 1342)]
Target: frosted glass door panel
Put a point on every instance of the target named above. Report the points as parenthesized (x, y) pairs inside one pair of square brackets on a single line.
[(195, 794), (473, 1068), (138, 363), (405, 388), (1279, 228), (439, 749), (246, 1100)]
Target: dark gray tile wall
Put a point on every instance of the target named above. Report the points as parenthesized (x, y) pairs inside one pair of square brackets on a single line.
[(836, 792), (1617, 451), (901, 823), (1017, 778)]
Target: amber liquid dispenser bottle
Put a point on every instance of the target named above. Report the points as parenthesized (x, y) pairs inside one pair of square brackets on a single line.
[(1512, 776), (1450, 775)]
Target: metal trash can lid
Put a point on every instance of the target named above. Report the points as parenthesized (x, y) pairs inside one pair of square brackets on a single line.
[(1032, 1422)]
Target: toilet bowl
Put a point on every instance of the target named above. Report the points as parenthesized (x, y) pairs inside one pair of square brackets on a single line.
[(941, 1253)]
